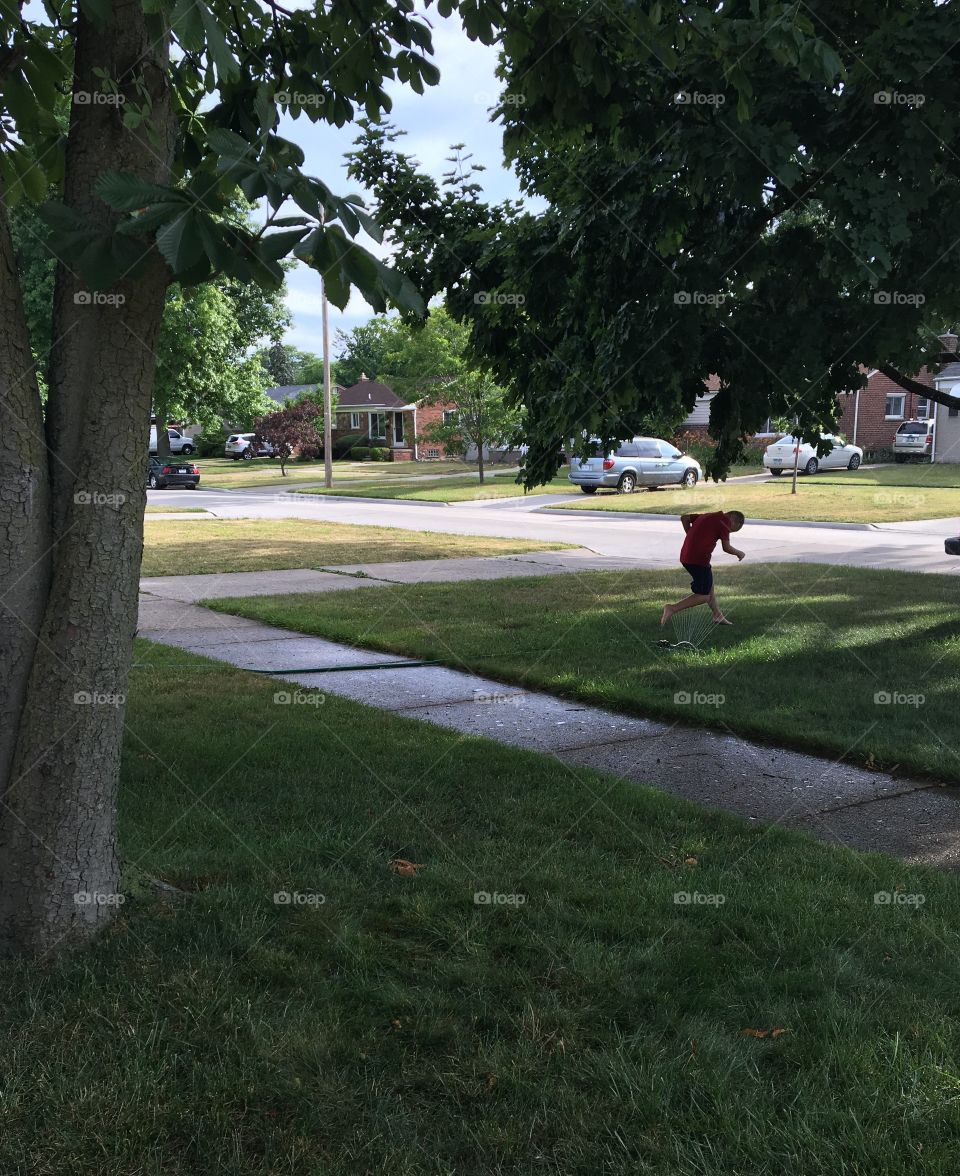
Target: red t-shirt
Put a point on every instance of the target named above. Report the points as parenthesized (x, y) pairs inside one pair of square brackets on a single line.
[(705, 532)]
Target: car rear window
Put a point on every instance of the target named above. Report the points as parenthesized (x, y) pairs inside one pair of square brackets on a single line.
[(912, 427), (628, 449)]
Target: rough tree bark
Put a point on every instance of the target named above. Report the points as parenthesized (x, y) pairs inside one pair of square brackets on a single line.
[(71, 514)]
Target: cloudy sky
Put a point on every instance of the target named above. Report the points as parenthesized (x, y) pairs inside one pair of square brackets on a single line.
[(454, 111)]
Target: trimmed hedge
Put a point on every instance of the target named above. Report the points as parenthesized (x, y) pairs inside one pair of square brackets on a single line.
[(343, 446), (210, 444)]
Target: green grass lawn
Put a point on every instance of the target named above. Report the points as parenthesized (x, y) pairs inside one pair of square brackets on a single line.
[(884, 495), (226, 474), (174, 548), (809, 649), (400, 1027), (175, 510), (468, 489)]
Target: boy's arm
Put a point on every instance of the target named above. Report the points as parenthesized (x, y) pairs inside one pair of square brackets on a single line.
[(687, 520), (730, 550)]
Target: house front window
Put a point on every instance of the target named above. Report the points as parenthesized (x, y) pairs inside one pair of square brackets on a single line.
[(354, 420), (893, 411), (451, 416), (923, 409), (378, 426)]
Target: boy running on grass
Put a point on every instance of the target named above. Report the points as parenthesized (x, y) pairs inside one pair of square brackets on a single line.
[(703, 531)]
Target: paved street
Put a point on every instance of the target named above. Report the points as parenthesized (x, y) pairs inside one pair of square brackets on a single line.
[(652, 541)]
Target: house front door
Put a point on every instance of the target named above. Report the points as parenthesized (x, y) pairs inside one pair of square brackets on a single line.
[(398, 430)]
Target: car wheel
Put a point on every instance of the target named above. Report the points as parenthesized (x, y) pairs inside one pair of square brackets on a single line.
[(589, 489), (153, 483), (627, 484), (187, 449), (248, 454), (689, 478), (191, 486), (776, 473), (854, 462), (812, 466)]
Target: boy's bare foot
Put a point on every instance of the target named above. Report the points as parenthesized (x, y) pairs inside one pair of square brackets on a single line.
[(720, 619), (666, 614)]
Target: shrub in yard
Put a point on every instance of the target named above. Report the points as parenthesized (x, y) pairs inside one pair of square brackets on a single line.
[(701, 446), (878, 455), (210, 444), (343, 445), (380, 454), (754, 451), (360, 453)]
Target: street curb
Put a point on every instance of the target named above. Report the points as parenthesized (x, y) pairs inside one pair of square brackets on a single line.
[(366, 498), (632, 516)]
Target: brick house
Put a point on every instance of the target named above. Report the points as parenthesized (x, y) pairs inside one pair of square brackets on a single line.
[(386, 420), (870, 417)]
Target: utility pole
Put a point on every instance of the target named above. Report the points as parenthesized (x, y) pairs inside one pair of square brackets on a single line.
[(327, 398)]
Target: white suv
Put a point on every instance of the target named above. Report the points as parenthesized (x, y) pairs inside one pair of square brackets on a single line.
[(913, 439), (242, 445), (178, 442)]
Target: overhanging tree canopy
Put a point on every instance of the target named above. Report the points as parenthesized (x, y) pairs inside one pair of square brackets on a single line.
[(762, 191)]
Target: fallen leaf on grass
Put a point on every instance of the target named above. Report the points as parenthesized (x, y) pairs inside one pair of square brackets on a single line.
[(763, 1033), (491, 1081), (404, 868)]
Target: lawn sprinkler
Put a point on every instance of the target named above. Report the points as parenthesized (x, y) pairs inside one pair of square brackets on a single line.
[(691, 629)]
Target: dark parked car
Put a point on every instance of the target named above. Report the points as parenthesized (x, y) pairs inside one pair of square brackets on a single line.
[(161, 474)]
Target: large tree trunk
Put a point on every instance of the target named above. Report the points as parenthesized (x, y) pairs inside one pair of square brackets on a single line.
[(81, 502)]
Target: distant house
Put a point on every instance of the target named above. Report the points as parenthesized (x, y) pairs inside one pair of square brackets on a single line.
[(384, 419), (285, 392), (871, 416), (946, 434), (698, 420)]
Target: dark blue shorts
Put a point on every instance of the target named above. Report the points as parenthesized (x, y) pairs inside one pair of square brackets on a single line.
[(701, 578)]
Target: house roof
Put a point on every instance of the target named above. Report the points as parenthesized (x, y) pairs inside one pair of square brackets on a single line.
[(369, 394), (284, 392), (950, 372)]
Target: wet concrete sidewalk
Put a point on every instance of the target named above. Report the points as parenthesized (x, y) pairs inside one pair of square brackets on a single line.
[(372, 575), (913, 819)]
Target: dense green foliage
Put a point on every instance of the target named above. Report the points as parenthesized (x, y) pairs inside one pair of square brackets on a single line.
[(760, 191)]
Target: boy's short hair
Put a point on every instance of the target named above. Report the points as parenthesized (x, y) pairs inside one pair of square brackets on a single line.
[(736, 518)]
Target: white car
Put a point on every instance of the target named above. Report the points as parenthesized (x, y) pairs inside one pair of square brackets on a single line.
[(782, 454), (178, 442), (242, 445)]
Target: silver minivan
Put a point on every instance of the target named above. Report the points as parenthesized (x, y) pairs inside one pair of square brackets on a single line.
[(644, 462)]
